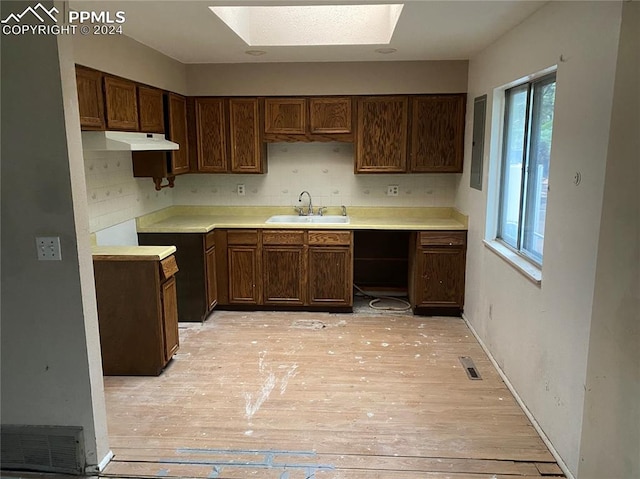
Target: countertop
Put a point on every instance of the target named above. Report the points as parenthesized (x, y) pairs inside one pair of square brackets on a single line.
[(202, 219), (132, 253)]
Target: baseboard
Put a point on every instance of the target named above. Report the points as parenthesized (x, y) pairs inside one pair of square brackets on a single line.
[(520, 402), (101, 465)]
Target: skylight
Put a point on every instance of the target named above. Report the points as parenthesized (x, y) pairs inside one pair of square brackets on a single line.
[(312, 24)]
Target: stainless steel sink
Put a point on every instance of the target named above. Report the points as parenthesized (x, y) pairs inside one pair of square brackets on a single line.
[(295, 219)]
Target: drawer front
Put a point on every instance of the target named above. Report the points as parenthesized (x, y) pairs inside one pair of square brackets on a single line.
[(329, 238), (283, 237), (442, 238), (168, 267), (209, 240), (245, 237)]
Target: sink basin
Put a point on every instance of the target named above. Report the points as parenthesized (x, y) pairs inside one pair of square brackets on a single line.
[(295, 219)]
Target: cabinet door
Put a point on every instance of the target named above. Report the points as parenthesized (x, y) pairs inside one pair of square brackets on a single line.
[(122, 104), (210, 273), (285, 115), (211, 135), (247, 149), (151, 109), (90, 98), (170, 318), (330, 276), (382, 135), (330, 115), (437, 133), (177, 111), (440, 277), (244, 275), (284, 274)]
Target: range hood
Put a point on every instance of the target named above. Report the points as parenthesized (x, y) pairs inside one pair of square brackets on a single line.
[(125, 141)]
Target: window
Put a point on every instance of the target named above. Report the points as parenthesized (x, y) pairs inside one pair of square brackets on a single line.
[(528, 127)]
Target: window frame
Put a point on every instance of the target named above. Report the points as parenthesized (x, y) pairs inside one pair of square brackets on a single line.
[(524, 207)]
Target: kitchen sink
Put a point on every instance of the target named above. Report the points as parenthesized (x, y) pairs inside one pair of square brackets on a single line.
[(295, 219)]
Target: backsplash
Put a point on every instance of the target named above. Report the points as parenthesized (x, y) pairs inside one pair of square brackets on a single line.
[(326, 171), (114, 195)]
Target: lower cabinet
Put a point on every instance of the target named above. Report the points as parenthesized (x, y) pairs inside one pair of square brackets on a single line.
[(437, 271), (137, 314), (284, 261), (331, 268), (285, 268), (197, 288)]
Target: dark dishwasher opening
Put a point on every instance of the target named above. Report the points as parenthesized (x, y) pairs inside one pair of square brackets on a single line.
[(381, 261)]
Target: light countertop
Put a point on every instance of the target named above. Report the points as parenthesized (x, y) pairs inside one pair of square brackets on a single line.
[(202, 219), (132, 253)]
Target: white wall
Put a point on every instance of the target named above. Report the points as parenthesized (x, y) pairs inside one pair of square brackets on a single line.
[(539, 335), (51, 366), (611, 429), (326, 171)]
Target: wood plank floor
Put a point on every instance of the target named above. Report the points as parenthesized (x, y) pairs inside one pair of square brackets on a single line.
[(292, 395)]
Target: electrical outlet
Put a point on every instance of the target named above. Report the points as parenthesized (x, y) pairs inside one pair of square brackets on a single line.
[(392, 190), (48, 248), (240, 190)]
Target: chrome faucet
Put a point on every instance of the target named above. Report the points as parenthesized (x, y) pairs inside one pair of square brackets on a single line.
[(310, 210)]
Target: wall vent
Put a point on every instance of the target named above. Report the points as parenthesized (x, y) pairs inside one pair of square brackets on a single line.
[(470, 367), (42, 448)]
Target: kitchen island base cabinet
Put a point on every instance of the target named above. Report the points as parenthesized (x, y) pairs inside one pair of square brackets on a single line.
[(437, 272), (196, 280), (137, 315)]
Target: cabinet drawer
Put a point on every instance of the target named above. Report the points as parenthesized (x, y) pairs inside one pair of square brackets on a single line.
[(442, 238), (248, 237), (168, 267), (283, 237), (329, 238), (209, 240)]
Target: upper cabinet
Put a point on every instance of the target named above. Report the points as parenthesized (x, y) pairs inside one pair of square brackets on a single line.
[(382, 134), (330, 115), (248, 152), (121, 104), (285, 115), (226, 135), (437, 133), (209, 138), (90, 98), (177, 132), (150, 109), (308, 119)]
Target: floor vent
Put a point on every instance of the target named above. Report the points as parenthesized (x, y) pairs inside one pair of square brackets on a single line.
[(42, 448), (470, 367)]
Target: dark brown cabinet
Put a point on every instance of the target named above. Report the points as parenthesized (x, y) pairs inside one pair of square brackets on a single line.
[(177, 132), (248, 152), (284, 264), (210, 135), (330, 268), (197, 280), (137, 313), (308, 119), (121, 102), (437, 133), (285, 115), (437, 271), (150, 109), (330, 115), (90, 98), (381, 145), (245, 267)]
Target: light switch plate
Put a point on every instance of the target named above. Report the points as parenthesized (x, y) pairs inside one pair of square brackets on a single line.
[(48, 248)]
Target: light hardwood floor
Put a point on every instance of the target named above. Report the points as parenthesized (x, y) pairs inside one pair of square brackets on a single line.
[(325, 396)]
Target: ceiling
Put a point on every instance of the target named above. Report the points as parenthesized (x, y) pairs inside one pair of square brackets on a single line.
[(427, 30)]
